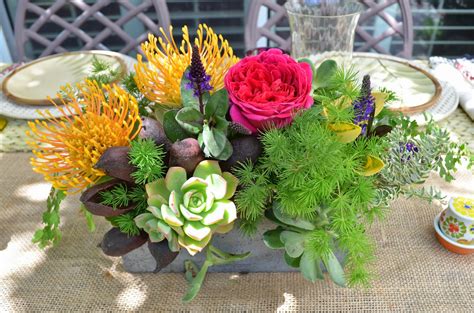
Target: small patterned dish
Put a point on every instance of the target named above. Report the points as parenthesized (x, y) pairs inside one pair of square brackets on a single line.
[(457, 221), (448, 243)]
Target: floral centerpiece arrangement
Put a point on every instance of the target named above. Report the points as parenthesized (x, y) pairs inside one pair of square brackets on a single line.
[(196, 142)]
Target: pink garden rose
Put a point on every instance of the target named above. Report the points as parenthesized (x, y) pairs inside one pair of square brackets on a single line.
[(268, 89)]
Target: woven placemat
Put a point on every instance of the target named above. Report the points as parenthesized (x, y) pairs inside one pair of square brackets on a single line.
[(412, 271)]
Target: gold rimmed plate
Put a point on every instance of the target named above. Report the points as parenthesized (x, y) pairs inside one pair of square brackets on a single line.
[(34, 82), (417, 90)]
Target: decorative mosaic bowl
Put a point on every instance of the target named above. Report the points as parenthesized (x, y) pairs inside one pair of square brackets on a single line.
[(457, 221), (449, 243)]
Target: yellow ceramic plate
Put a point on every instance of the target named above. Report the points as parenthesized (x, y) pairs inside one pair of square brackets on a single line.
[(34, 82)]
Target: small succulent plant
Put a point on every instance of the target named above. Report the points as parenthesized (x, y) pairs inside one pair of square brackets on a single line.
[(188, 211)]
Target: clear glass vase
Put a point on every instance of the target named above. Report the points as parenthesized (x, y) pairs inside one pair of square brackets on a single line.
[(322, 29)]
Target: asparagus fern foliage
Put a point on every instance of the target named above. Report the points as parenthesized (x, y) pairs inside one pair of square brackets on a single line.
[(120, 196), (148, 158)]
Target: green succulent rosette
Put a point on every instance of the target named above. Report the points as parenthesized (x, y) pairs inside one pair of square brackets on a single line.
[(187, 212)]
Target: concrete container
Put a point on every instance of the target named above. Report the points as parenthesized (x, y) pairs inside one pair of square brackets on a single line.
[(262, 259)]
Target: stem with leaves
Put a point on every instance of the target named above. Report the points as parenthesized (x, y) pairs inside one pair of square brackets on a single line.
[(214, 256), (50, 234)]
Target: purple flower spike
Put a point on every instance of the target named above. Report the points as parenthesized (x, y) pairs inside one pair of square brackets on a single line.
[(364, 107), (199, 80)]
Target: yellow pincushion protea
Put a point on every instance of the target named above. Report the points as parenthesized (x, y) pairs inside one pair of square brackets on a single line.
[(160, 79), (75, 143)]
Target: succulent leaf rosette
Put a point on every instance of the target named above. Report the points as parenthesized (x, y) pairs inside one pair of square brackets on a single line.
[(188, 211)]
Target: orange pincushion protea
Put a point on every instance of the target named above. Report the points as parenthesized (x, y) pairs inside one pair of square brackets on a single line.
[(160, 79), (74, 144)]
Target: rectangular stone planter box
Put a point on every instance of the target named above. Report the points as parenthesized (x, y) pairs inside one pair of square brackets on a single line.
[(261, 259)]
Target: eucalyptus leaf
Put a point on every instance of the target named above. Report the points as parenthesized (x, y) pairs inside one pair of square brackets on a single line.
[(324, 73), (294, 243), (187, 95), (293, 221), (217, 105), (173, 131), (311, 268), (272, 240), (292, 262), (335, 270), (221, 123), (269, 214), (190, 119), (214, 139), (226, 152)]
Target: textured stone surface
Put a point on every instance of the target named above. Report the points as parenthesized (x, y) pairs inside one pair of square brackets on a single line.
[(262, 259)]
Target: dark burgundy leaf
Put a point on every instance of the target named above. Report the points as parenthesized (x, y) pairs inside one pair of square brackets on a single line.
[(91, 199), (115, 163), (162, 254), (116, 243), (382, 130)]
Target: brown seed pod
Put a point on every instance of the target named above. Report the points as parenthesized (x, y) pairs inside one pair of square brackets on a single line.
[(115, 163), (91, 199), (116, 243)]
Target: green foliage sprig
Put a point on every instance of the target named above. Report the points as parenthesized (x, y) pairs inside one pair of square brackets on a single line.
[(102, 72), (50, 234), (148, 158), (332, 82), (117, 197), (120, 196), (253, 197), (311, 167), (405, 170), (144, 105), (195, 276), (315, 181)]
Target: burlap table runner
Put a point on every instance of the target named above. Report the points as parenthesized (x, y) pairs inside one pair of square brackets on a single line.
[(412, 271)]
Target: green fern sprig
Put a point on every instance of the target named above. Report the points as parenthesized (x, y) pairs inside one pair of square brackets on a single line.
[(360, 254), (144, 105), (253, 198), (138, 195), (102, 72), (116, 197), (119, 196), (125, 223), (148, 158)]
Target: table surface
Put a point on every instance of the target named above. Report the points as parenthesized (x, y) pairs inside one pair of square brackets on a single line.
[(412, 271)]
